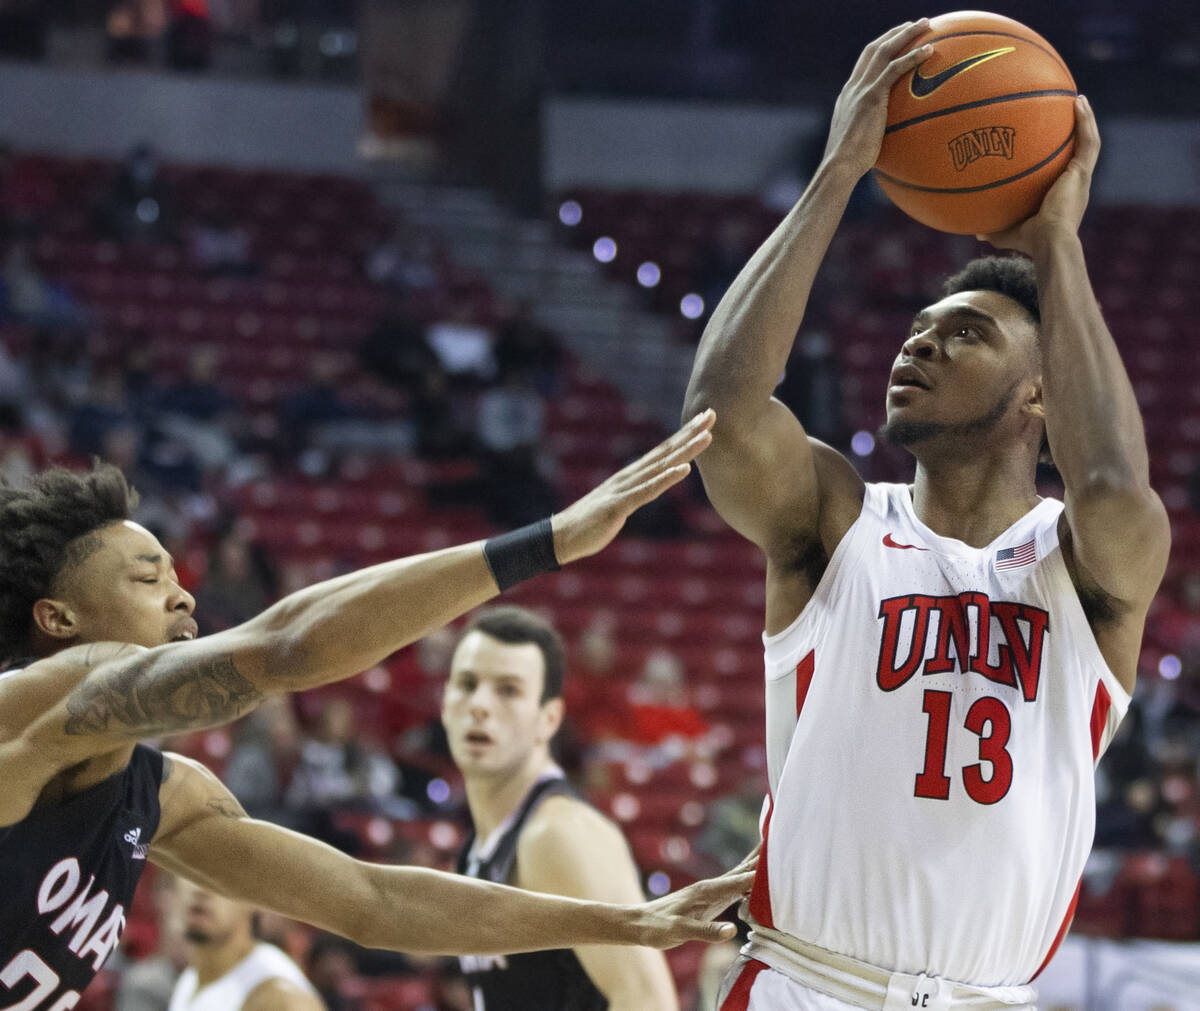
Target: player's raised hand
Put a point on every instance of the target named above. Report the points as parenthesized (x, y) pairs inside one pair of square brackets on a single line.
[(688, 914), (860, 114), (1064, 203), (587, 525)]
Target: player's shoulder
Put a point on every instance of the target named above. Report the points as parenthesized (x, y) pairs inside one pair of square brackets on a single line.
[(563, 823), (279, 994), (30, 694), (842, 489)]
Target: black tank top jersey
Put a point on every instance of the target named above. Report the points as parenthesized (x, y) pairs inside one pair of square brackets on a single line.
[(536, 981), (67, 876)]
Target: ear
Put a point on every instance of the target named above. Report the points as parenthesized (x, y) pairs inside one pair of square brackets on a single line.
[(1034, 405), (550, 719), (55, 619)]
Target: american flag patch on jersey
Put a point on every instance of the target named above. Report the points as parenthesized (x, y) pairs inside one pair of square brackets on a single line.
[(1014, 558)]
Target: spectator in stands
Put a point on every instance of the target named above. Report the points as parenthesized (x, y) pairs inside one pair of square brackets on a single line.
[(228, 967), (339, 770), (509, 430), (146, 985), (139, 204), (266, 747), (463, 344), (220, 247), (405, 261), (662, 717), (237, 585), (34, 299), (333, 971), (395, 350), (16, 460), (524, 345), (197, 415), (103, 407), (731, 823), (132, 27), (597, 710)]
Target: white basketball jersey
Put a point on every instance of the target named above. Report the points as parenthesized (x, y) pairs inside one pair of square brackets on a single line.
[(229, 992), (934, 716)]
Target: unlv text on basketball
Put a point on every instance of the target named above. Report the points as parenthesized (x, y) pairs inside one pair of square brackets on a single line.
[(982, 142)]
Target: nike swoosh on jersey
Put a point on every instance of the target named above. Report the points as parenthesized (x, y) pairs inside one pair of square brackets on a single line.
[(923, 87), (888, 542)]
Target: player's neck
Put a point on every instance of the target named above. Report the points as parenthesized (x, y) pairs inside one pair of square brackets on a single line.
[(494, 798), (211, 962), (974, 501)]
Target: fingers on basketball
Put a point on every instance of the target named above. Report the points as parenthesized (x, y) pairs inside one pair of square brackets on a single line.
[(1087, 135)]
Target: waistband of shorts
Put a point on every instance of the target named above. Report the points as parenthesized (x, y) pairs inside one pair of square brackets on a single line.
[(870, 986)]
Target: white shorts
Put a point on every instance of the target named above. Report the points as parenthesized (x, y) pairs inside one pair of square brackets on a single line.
[(751, 985)]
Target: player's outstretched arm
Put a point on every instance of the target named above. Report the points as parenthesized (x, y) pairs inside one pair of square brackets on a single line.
[(205, 837), (88, 700), (762, 473), (1117, 534)]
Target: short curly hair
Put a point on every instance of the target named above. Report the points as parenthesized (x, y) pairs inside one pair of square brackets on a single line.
[(43, 531), (1009, 275)]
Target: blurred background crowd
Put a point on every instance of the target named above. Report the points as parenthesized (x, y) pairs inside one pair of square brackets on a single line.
[(303, 373)]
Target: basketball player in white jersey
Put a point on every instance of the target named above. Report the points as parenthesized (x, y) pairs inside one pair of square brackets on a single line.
[(501, 708), (228, 968), (946, 660)]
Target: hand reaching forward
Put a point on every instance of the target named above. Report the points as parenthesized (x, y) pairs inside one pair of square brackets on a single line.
[(687, 915), (586, 526)]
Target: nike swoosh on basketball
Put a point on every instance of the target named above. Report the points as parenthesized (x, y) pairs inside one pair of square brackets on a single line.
[(889, 543), (923, 87)]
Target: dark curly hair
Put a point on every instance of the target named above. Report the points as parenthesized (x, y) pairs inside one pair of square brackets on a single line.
[(43, 532), (1009, 275)]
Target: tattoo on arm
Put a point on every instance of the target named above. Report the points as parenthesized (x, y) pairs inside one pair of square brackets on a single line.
[(155, 694), (227, 807)]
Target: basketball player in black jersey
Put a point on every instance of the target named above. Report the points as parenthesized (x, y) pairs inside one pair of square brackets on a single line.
[(501, 708), (90, 600)]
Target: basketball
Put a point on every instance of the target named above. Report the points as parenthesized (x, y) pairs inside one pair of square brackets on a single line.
[(978, 132)]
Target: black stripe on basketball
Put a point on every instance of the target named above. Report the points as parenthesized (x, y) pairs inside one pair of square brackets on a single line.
[(978, 104), (986, 186), (1004, 35)]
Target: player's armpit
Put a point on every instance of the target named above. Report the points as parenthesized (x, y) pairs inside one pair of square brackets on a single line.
[(1117, 540), (281, 995), (568, 848)]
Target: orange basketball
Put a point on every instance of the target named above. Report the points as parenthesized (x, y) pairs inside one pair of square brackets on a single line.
[(978, 132)]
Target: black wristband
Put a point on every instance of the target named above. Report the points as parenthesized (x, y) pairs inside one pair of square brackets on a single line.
[(521, 554)]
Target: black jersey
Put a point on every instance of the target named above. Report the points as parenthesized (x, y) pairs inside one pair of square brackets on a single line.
[(67, 876), (545, 980)]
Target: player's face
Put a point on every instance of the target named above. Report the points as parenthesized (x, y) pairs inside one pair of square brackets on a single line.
[(211, 920), (491, 707), (971, 363), (126, 590)]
